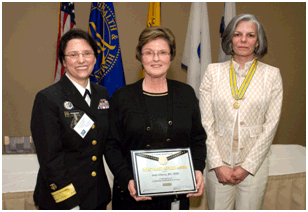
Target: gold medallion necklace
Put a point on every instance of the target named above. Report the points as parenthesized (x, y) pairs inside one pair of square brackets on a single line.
[(238, 94)]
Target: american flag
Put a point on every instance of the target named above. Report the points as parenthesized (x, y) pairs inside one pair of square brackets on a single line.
[(66, 22)]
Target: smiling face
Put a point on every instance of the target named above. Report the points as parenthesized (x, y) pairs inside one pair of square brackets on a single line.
[(80, 68), (156, 66), (245, 40)]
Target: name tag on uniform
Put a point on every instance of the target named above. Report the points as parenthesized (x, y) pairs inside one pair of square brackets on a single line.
[(84, 125)]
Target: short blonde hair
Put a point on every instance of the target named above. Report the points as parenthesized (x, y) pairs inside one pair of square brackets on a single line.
[(149, 34)]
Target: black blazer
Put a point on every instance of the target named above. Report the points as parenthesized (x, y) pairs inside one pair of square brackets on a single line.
[(65, 158), (130, 127)]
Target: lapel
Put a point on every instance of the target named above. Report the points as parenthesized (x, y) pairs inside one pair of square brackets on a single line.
[(73, 95), (94, 97)]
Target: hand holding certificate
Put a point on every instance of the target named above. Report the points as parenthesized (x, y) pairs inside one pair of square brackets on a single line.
[(200, 184), (164, 172), (132, 192)]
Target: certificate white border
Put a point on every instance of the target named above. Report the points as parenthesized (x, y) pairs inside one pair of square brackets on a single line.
[(136, 175)]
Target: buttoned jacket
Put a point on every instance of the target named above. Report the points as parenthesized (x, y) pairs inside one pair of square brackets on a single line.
[(71, 169), (130, 128), (258, 115)]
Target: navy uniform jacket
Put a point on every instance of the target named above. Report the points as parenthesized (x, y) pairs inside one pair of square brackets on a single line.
[(71, 167)]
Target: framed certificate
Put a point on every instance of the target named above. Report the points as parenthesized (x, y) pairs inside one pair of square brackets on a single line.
[(163, 172)]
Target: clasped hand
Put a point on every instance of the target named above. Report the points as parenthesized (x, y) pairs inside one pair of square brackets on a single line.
[(231, 175)]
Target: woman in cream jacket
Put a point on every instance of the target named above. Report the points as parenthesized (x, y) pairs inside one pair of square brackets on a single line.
[(240, 102)]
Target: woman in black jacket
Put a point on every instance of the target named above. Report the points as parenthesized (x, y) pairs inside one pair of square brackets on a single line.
[(153, 113), (72, 173)]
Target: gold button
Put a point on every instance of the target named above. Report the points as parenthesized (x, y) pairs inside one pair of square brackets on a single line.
[(93, 126), (148, 146), (170, 122), (168, 139), (122, 191), (94, 158), (148, 128), (93, 174), (94, 142)]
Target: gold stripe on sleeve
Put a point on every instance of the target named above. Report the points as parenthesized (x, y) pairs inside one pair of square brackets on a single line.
[(64, 193)]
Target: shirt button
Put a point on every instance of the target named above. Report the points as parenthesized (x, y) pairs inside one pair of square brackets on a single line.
[(93, 174), (93, 126), (168, 140), (94, 158), (242, 123), (170, 123), (94, 142), (148, 129), (148, 146)]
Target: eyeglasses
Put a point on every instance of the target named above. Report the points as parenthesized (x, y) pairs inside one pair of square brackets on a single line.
[(75, 55), (151, 54)]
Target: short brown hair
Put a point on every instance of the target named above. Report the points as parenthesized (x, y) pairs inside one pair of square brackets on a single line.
[(149, 34)]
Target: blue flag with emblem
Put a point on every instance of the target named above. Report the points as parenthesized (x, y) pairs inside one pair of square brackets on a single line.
[(108, 70)]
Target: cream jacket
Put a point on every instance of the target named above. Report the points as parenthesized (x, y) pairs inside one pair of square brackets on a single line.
[(258, 114)]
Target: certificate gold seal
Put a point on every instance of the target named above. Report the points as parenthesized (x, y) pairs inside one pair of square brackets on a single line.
[(236, 105), (163, 160)]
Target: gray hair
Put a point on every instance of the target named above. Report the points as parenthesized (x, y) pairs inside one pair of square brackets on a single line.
[(227, 36)]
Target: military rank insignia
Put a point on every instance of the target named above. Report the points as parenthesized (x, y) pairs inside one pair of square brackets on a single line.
[(53, 186), (103, 104)]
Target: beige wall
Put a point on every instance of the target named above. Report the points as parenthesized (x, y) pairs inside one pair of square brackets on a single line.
[(29, 33)]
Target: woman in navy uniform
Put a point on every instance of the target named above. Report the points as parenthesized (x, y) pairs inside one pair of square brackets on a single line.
[(153, 113), (69, 126)]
